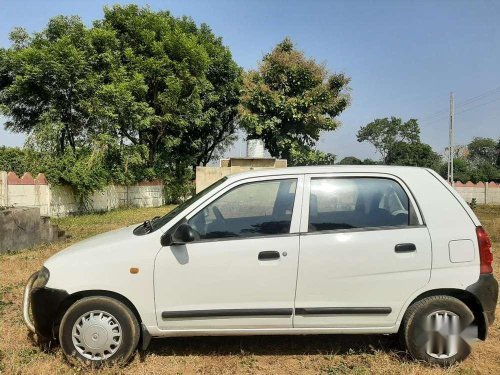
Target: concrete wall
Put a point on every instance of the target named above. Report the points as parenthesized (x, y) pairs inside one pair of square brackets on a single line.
[(56, 200), (484, 193), (22, 227), (3, 188), (254, 162), (206, 176)]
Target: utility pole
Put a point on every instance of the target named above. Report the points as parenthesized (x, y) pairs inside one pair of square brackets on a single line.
[(450, 146)]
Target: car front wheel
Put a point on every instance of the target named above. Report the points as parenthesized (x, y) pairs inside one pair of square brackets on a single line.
[(99, 330)]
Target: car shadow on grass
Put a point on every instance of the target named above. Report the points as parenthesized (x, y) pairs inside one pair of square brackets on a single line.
[(277, 345)]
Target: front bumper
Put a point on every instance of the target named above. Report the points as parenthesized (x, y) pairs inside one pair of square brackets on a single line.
[(41, 307)]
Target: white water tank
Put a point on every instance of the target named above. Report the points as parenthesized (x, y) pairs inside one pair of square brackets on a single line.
[(255, 148)]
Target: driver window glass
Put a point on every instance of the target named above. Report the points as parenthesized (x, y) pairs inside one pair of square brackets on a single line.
[(345, 203), (253, 209)]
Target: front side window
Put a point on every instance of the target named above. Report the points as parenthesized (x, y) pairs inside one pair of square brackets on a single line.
[(347, 203), (249, 210)]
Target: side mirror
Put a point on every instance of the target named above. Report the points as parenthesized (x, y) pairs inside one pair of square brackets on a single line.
[(183, 234)]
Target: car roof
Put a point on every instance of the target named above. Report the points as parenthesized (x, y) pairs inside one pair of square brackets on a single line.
[(390, 169)]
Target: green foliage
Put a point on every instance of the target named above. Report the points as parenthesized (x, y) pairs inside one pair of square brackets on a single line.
[(498, 154), (385, 133), (413, 154), (82, 169), (12, 159), (49, 78), (473, 203), (399, 143), (350, 160), (461, 170), (180, 186), (369, 161), (464, 170), (484, 171), (140, 94), (479, 165), (302, 155), (483, 158), (483, 150), (289, 101)]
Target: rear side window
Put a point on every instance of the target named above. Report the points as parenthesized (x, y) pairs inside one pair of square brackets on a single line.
[(348, 203), (253, 209)]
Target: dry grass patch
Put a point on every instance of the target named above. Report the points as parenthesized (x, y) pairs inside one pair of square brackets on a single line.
[(326, 354)]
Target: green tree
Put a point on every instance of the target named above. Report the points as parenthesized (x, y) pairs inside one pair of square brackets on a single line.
[(498, 154), (289, 101), (385, 133), (151, 94), (413, 154), (484, 171), (483, 150), (48, 80), (350, 160), (461, 170), (369, 161), (190, 86)]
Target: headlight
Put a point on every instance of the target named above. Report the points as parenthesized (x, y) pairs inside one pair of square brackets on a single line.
[(42, 279)]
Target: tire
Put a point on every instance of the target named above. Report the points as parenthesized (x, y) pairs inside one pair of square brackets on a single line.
[(99, 330), (414, 337)]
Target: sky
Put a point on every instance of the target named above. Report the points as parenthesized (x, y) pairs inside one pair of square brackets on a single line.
[(404, 57)]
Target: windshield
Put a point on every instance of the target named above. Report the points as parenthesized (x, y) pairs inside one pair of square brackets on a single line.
[(161, 221)]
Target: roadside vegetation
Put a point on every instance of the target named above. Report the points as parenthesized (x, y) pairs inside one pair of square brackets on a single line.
[(325, 354), (143, 95)]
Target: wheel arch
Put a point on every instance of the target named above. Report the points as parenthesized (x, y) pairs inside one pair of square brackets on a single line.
[(72, 298), (469, 299)]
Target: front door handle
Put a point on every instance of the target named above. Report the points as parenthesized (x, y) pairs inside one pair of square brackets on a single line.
[(269, 255), (405, 248)]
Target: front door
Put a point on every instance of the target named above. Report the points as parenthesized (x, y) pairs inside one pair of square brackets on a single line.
[(363, 252), (240, 271)]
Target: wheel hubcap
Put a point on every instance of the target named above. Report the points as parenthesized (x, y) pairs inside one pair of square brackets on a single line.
[(443, 328), (96, 335)]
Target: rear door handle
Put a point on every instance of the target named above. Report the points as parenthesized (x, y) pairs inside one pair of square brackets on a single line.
[(405, 248), (269, 255)]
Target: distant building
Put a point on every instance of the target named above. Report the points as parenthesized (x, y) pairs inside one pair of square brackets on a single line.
[(205, 176)]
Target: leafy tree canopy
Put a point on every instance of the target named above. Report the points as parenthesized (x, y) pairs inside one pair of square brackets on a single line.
[(413, 154), (483, 150), (351, 160), (154, 94), (289, 100), (385, 133)]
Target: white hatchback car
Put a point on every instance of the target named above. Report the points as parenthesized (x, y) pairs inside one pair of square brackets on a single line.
[(306, 250)]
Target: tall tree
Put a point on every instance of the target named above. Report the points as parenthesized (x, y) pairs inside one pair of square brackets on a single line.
[(385, 133), (414, 154), (289, 100), (47, 80), (483, 150), (155, 92), (191, 84)]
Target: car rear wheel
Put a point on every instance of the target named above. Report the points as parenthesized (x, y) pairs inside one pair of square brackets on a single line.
[(432, 330), (99, 330)]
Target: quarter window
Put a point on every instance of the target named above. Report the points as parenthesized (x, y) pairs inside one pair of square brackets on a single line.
[(346, 203), (249, 210)]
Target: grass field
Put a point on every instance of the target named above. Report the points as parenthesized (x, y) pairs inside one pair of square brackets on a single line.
[(219, 355)]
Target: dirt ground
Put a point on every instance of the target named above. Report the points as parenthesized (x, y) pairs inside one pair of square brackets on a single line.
[(326, 354)]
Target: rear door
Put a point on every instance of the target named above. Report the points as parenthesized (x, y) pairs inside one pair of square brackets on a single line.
[(364, 249)]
